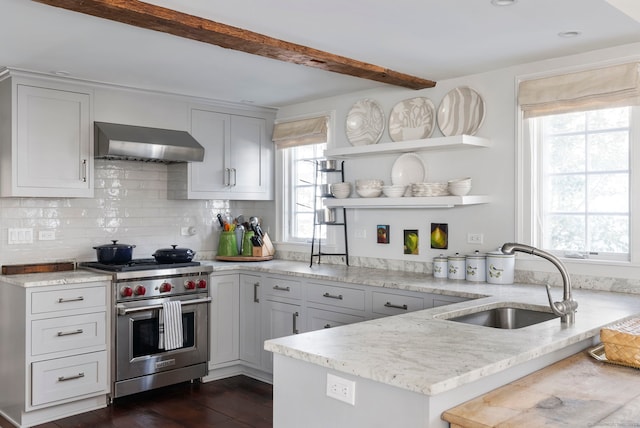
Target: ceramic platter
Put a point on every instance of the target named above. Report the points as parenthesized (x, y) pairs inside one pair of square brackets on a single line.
[(365, 123), (408, 168), (460, 112), (412, 119)]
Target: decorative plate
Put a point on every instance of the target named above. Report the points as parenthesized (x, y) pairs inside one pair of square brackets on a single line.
[(461, 112), (408, 168), (412, 119), (365, 123)]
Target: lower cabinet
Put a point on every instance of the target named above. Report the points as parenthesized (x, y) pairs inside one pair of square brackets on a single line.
[(54, 355), (248, 309)]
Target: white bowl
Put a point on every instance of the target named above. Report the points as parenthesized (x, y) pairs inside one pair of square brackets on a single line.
[(396, 191), (465, 180), (369, 183), (368, 192), (459, 189)]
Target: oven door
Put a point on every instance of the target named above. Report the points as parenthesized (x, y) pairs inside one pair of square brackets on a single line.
[(137, 334)]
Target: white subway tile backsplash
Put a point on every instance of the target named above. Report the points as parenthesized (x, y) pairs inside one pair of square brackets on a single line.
[(130, 205)]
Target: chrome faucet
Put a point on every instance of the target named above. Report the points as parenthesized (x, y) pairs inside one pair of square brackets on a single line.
[(566, 309)]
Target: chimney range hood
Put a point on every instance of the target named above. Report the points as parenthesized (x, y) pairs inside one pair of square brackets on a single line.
[(127, 142)]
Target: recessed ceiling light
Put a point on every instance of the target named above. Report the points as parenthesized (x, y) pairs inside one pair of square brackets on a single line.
[(569, 34), (503, 2)]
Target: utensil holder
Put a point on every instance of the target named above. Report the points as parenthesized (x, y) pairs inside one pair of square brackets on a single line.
[(227, 245)]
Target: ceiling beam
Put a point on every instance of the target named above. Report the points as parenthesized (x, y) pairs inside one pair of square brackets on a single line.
[(152, 17)]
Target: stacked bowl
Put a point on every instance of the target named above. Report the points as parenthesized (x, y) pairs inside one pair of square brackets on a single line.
[(341, 190), (394, 191), (371, 188), (459, 186), (429, 189)]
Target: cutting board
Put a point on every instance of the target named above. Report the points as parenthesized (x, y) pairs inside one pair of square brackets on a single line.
[(37, 268)]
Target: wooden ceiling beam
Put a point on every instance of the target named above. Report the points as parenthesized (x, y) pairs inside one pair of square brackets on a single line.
[(152, 17)]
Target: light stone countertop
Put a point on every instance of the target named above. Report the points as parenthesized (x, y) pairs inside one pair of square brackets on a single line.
[(416, 351)]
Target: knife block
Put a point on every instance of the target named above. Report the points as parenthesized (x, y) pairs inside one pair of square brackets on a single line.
[(266, 249)]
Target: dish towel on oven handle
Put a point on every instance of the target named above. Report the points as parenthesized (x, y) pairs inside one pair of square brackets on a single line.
[(170, 326)]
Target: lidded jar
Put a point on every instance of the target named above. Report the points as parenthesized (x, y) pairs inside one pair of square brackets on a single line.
[(500, 267), (476, 264), (456, 267), (440, 266)]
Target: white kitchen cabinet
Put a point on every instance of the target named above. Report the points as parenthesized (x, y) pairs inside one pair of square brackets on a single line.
[(224, 319), (396, 302), (57, 363), (250, 332), (46, 147), (238, 159), (323, 318)]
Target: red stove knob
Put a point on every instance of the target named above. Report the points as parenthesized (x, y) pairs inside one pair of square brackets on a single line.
[(190, 284), (165, 287), (140, 290), (126, 291), (202, 283)]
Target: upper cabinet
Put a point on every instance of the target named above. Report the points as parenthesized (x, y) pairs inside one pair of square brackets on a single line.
[(46, 139), (238, 162)]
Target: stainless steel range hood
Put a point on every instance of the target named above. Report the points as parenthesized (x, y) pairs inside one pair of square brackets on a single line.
[(127, 142)]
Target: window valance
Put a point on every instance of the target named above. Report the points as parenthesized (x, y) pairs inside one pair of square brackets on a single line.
[(614, 86), (300, 132)]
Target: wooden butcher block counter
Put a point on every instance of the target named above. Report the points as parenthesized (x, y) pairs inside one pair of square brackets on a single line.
[(575, 392)]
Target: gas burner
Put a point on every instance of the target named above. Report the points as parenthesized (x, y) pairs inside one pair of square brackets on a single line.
[(137, 265)]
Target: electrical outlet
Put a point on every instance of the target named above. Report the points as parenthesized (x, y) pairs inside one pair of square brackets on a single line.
[(341, 389), (47, 235), (475, 238)]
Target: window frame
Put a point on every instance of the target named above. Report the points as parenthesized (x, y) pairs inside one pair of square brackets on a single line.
[(528, 195)]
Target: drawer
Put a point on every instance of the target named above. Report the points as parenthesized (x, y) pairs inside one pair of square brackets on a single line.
[(393, 304), (68, 298), (319, 319), (62, 379), (283, 288), (342, 297), (68, 333)]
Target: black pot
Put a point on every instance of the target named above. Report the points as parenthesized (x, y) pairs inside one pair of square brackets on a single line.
[(114, 254), (174, 255)]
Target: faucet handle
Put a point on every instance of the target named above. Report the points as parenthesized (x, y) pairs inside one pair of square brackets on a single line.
[(564, 308)]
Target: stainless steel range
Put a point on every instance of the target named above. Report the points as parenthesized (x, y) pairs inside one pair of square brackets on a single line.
[(140, 290)]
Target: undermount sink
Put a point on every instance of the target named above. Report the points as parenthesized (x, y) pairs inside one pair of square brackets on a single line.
[(504, 317)]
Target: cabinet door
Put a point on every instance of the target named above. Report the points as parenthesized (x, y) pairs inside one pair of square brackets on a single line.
[(250, 334), (248, 155), (213, 131), (279, 320), (225, 318), (53, 154)]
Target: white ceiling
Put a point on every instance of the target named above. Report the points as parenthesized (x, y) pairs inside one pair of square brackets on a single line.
[(426, 38)]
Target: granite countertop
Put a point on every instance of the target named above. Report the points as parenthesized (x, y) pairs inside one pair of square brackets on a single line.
[(417, 351)]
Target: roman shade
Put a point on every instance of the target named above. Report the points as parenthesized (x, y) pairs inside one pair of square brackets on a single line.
[(608, 87), (300, 132)]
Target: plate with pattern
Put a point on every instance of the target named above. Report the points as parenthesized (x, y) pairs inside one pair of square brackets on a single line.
[(365, 123), (412, 119), (461, 112)]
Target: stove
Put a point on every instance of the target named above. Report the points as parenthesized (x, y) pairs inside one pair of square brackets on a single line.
[(140, 291)]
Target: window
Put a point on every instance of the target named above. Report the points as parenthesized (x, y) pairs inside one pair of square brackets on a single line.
[(583, 182), (299, 191), (577, 163)]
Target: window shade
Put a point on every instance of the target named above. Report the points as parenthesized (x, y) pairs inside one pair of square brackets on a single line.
[(615, 86), (300, 132)]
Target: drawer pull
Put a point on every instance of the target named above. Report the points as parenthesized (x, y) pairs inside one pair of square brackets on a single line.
[(391, 305), (66, 378), (75, 299), (69, 333), (278, 288), (332, 296)]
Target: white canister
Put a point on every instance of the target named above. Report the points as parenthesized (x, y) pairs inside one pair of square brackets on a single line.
[(440, 266), (476, 267), (500, 267), (456, 267)]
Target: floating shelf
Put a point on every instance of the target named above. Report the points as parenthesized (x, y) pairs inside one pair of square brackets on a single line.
[(408, 202), (458, 142)]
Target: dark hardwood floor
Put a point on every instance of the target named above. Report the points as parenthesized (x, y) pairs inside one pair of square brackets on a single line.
[(236, 402)]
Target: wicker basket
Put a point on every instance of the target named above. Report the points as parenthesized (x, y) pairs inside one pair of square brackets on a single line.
[(622, 341)]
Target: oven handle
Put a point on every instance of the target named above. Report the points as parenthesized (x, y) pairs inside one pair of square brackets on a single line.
[(124, 311)]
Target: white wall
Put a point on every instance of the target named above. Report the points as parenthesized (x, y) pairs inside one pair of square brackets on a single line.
[(493, 170)]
